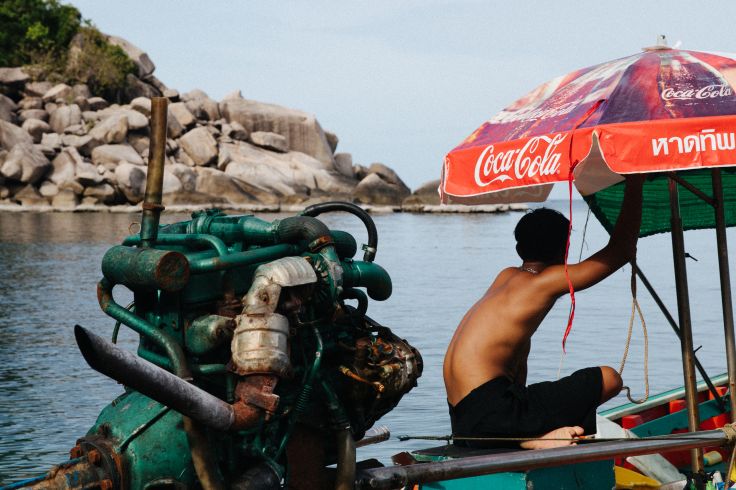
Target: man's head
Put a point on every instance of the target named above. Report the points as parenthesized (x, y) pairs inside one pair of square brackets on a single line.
[(541, 236)]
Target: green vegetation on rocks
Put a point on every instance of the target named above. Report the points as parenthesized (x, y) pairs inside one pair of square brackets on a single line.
[(52, 42)]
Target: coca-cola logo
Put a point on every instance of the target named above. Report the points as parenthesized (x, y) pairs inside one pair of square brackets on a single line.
[(538, 157), (707, 92)]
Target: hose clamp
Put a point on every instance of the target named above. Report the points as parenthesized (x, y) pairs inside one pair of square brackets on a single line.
[(153, 206), (320, 243)]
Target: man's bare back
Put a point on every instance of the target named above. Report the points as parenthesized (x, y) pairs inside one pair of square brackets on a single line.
[(493, 339)]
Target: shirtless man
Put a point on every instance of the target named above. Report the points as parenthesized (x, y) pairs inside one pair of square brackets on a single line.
[(486, 362)]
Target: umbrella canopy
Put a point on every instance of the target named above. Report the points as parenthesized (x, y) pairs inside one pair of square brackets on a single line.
[(657, 111)]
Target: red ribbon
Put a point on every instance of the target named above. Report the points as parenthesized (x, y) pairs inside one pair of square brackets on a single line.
[(570, 178)]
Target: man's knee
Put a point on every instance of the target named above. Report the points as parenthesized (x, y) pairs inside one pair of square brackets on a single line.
[(612, 383)]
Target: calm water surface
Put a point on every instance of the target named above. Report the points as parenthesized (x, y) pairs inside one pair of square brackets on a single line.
[(440, 265)]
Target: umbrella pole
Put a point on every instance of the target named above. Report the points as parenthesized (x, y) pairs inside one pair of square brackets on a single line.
[(725, 287), (683, 308)]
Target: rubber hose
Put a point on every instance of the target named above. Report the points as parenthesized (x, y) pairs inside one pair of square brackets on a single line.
[(345, 478), (345, 245), (357, 294), (295, 228), (362, 214)]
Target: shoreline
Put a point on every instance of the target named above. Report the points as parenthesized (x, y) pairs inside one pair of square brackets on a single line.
[(269, 208)]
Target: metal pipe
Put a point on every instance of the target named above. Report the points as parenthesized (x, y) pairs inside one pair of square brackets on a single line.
[(725, 276), (173, 350), (374, 436), (668, 316), (403, 476), (153, 381), (241, 259), (183, 239), (683, 308), (198, 369), (146, 268), (345, 477), (687, 185), (155, 179)]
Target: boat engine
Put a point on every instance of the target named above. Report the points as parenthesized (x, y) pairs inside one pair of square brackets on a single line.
[(257, 365)]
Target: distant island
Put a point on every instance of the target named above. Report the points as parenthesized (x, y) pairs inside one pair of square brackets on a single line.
[(74, 134)]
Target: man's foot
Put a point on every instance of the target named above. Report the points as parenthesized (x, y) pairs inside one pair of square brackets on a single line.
[(564, 436)]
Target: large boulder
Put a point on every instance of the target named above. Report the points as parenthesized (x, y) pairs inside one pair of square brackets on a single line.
[(136, 120), (389, 175), (65, 116), (11, 135), (96, 103), (36, 128), (101, 193), (29, 196), (344, 164), (111, 155), (13, 76), (30, 102), (138, 56), (285, 174), (201, 105), (64, 166), (7, 108), (48, 189), (269, 141), (52, 141), (135, 87), (375, 190), (113, 129), (131, 180), (301, 130), (87, 174), (171, 183), (142, 105), (26, 164), (181, 113), (186, 175), (200, 146), (37, 89), (220, 185), (425, 194), (26, 114), (65, 199), (332, 140), (59, 91)]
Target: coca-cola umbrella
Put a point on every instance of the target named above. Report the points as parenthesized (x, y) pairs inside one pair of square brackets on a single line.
[(666, 112), (657, 111)]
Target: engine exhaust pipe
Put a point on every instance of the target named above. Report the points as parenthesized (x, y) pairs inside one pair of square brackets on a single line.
[(155, 179), (154, 382)]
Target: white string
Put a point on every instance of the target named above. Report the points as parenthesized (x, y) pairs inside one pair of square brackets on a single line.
[(635, 308)]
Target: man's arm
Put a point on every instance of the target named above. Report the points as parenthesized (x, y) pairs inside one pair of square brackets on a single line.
[(621, 248)]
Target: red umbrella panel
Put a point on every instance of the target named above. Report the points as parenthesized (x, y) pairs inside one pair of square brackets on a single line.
[(659, 110)]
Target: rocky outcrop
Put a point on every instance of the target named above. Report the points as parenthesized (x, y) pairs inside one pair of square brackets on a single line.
[(62, 145), (425, 194)]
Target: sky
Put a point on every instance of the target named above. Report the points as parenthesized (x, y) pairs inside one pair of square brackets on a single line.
[(399, 82)]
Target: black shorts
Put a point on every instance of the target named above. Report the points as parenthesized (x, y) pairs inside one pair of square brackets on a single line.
[(500, 408)]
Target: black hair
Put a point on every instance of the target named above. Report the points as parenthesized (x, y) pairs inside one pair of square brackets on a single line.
[(541, 235)]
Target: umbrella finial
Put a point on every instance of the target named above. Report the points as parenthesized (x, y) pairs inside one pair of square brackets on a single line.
[(661, 44)]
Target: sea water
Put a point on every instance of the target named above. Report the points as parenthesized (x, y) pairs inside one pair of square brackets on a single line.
[(440, 265)]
